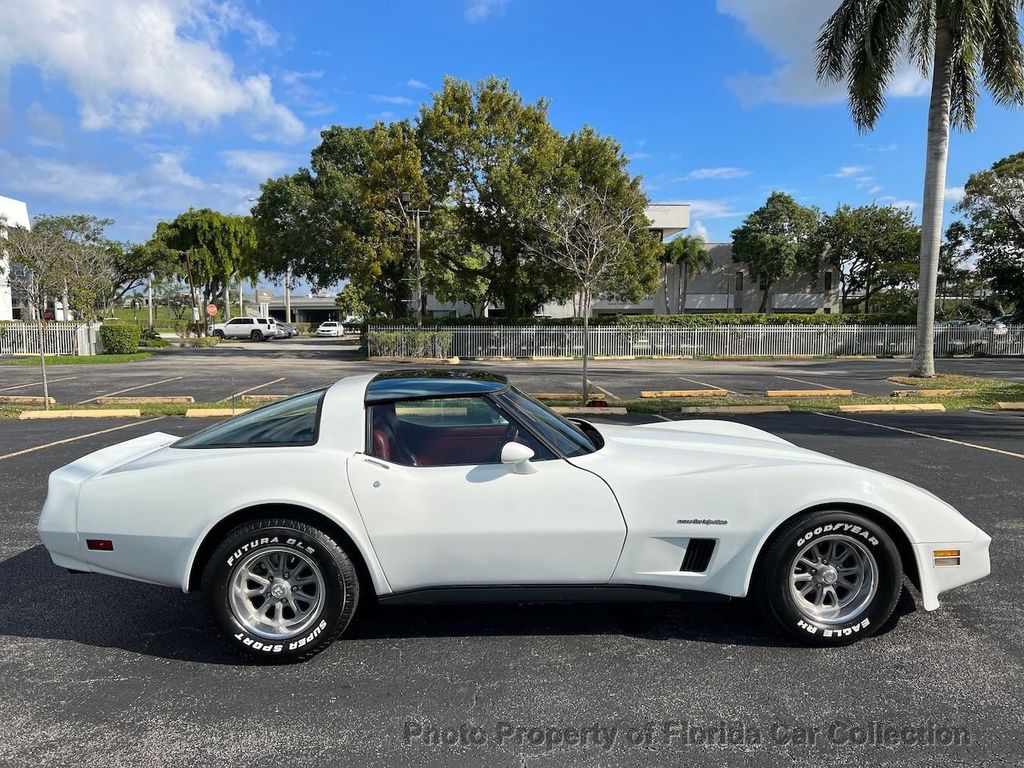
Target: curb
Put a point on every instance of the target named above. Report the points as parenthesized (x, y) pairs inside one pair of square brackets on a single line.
[(582, 409), (668, 393), (263, 398), (935, 407), (809, 393), (736, 409), (555, 395), (1010, 406), (25, 400), (170, 400), (929, 392), (95, 413), (419, 360), (199, 413)]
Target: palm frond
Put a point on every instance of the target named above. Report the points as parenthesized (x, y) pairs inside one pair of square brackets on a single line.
[(921, 38), (969, 22), (1002, 58), (837, 38), (873, 60)]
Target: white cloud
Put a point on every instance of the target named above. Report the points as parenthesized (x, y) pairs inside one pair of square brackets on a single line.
[(132, 63), (161, 185), (392, 99), (709, 209), (788, 29), (417, 84), (848, 171), (257, 163), (698, 229), (892, 202), (638, 155), (954, 194), (478, 10), (717, 173)]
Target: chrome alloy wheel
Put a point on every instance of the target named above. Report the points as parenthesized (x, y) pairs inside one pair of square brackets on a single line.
[(277, 593), (833, 579)]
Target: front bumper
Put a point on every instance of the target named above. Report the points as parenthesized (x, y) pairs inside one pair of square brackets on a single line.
[(936, 579)]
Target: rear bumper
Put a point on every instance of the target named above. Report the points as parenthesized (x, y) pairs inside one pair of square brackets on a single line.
[(936, 579)]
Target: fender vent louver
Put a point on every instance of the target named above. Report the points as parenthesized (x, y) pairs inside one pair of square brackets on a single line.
[(698, 555)]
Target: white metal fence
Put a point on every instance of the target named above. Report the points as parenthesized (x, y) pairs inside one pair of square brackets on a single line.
[(669, 341), (58, 338)]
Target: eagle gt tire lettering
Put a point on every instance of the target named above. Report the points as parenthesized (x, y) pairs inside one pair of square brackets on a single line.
[(828, 578)]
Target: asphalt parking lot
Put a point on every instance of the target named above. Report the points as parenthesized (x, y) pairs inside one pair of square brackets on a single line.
[(287, 367), (103, 672)]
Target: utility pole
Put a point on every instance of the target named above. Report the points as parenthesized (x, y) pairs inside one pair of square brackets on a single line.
[(149, 299), (288, 294), (405, 199)]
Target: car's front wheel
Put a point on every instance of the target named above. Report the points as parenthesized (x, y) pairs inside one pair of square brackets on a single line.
[(280, 590), (219, 333), (256, 336), (829, 578)]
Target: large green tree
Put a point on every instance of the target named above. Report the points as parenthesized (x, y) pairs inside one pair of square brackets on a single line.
[(776, 240), (962, 44), (490, 158), (873, 247), (344, 217), (993, 231), (207, 248)]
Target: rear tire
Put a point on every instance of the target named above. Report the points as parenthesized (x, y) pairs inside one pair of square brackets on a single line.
[(829, 578), (256, 335), (279, 590)]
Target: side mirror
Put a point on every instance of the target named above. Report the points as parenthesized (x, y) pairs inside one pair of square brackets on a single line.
[(517, 456)]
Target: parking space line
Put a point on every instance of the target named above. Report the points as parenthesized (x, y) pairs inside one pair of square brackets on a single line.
[(816, 384), (129, 389), (612, 395), (37, 383), (253, 389), (77, 437), (924, 434), (710, 386)]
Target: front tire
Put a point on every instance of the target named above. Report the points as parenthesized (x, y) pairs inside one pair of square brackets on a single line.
[(280, 590), (829, 578), (219, 334), (256, 336)]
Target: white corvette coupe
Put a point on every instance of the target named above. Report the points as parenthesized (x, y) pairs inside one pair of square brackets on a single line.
[(439, 485)]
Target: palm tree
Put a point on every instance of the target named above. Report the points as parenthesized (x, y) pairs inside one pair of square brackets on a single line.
[(689, 254), (962, 44)]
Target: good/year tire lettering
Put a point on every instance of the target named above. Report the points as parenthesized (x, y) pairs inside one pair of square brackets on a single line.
[(855, 530)]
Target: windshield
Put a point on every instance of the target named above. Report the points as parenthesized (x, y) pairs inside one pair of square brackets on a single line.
[(567, 438), (295, 421)]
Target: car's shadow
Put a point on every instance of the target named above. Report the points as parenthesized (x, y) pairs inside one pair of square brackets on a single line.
[(39, 600)]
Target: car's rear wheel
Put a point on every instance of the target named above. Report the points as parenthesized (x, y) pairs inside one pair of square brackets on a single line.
[(280, 590), (829, 578), (256, 335)]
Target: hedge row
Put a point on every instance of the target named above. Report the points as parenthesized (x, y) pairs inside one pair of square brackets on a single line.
[(120, 338), (409, 343), (684, 321)]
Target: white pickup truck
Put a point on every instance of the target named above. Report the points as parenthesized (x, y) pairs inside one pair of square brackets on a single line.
[(255, 328)]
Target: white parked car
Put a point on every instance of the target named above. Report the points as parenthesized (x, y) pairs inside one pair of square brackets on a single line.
[(255, 328), (330, 328), (435, 485)]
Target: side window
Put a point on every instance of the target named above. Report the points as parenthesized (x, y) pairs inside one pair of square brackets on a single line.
[(234, 322), (445, 432)]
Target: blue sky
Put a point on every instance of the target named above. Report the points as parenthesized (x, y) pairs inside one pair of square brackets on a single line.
[(138, 109)]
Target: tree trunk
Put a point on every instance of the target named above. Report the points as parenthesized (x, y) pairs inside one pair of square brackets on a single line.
[(684, 280), (934, 197), (586, 339), (42, 365), (664, 272), (764, 301)]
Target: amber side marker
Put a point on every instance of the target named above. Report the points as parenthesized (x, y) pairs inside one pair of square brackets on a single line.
[(945, 558)]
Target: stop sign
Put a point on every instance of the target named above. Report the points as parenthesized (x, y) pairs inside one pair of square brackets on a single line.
[(211, 309)]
